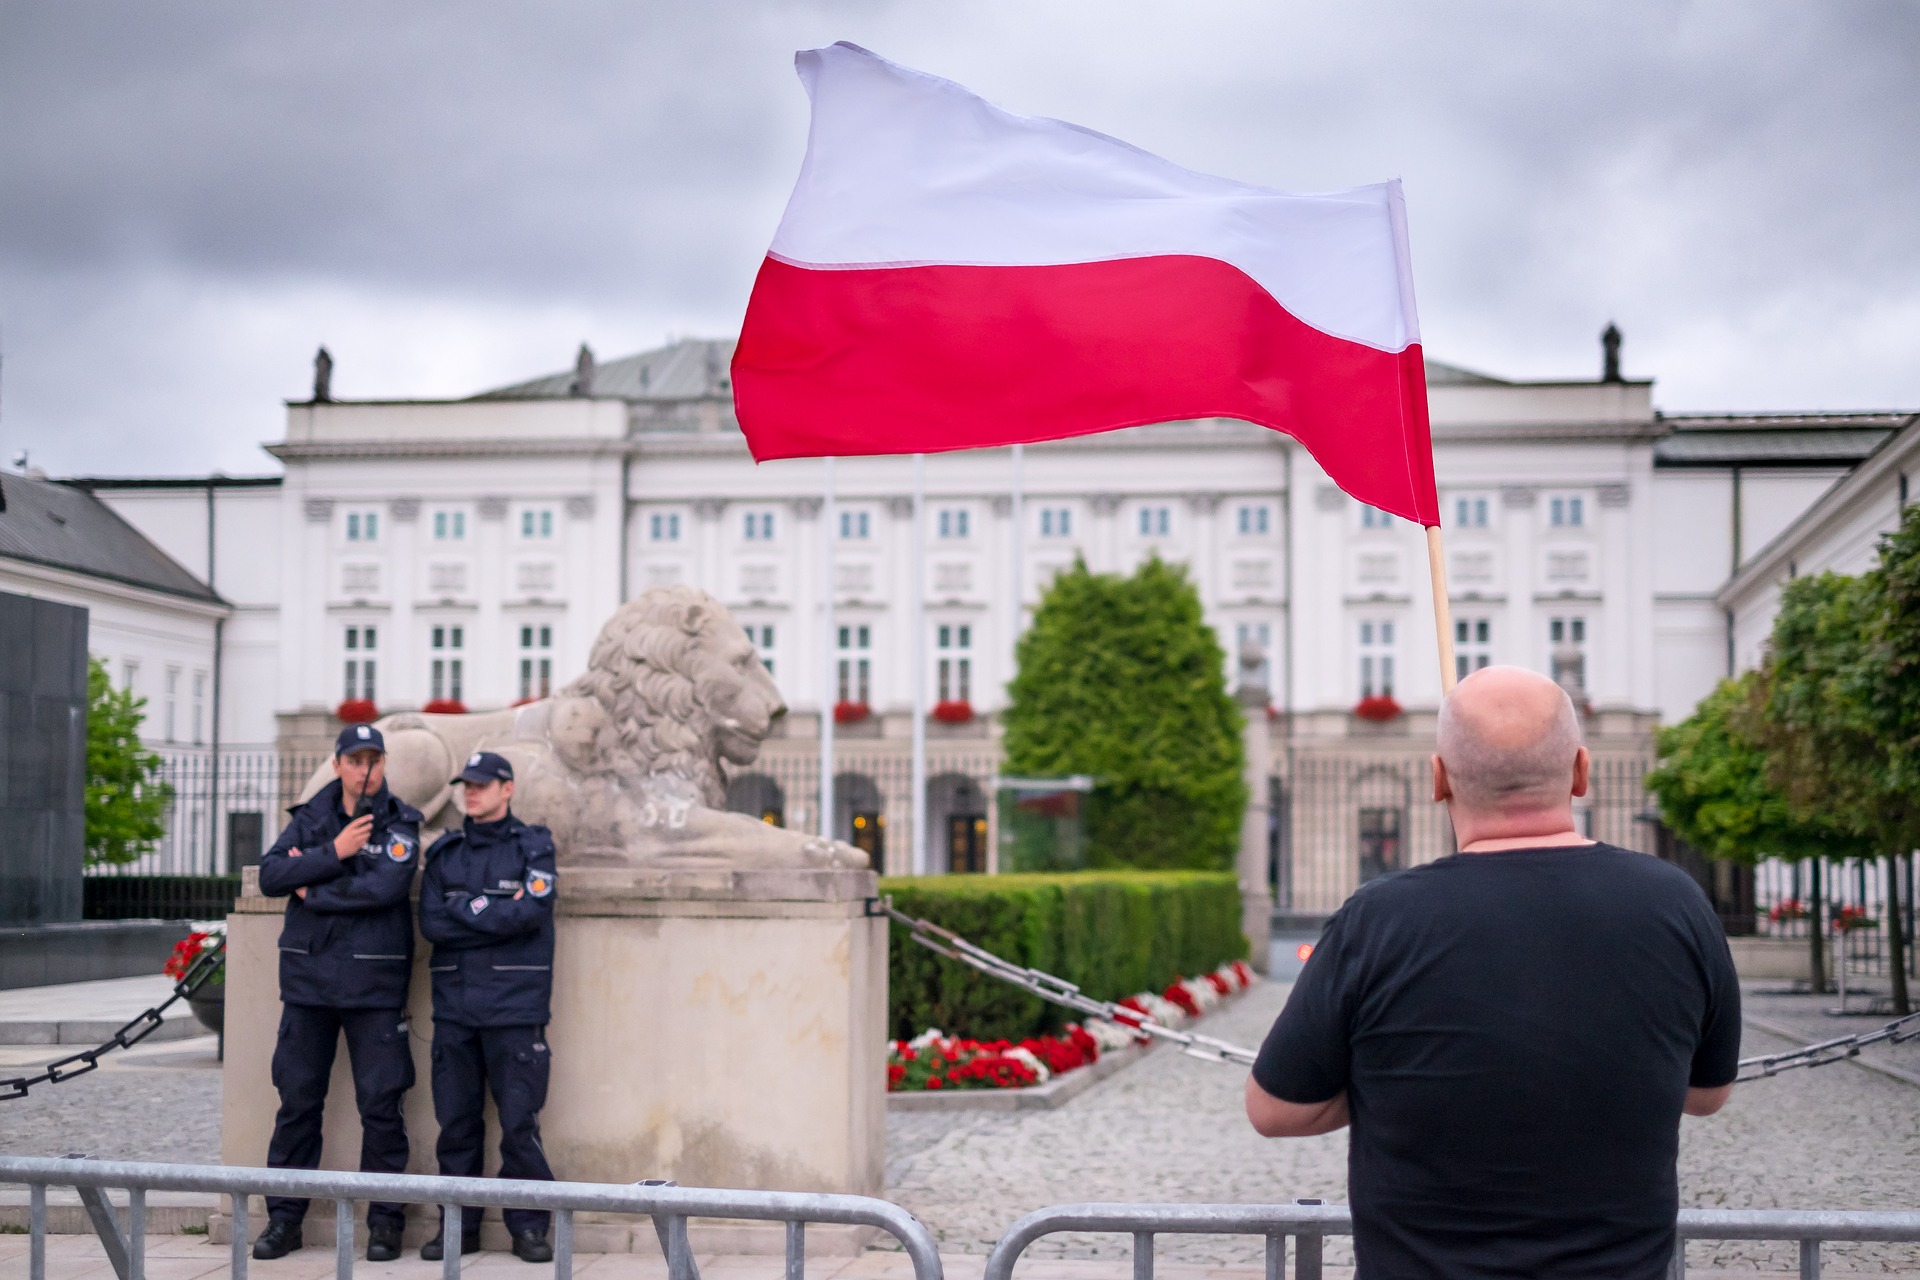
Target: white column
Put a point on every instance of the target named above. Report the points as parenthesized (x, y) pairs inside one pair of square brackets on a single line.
[(490, 570), (404, 668)]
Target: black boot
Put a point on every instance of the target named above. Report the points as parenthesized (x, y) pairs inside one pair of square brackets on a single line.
[(281, 1238), (531, 1246), (383, 1242), (436, 1249)]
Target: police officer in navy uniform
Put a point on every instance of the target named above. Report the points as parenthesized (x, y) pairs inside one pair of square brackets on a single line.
[(486, 904), (345, 864)]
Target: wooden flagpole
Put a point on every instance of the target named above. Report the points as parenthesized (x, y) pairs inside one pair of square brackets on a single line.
[(1442, 608)]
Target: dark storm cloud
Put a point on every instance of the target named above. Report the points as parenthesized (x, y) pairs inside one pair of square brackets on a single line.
[(193, 194)]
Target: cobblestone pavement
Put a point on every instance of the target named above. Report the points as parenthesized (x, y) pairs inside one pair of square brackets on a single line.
[(1818, 1017), (151, 1102), (1170, 1129)]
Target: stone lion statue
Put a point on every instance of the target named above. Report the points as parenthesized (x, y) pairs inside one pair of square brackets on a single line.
[(627, 764)]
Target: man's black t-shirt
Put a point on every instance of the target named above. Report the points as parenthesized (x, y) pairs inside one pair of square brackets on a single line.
[(1515, 1033)]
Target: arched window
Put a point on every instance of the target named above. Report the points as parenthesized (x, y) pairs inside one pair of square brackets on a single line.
[(758, 796), (956, 824)]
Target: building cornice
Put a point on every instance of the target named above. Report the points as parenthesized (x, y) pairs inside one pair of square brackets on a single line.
[(1631, 431), (1834, 504), (359, 450), (117, 588)]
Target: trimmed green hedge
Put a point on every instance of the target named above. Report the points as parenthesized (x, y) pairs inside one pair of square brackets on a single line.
[(1114, 933)]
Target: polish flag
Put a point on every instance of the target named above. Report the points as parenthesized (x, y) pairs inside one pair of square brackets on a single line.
[(951, 276)]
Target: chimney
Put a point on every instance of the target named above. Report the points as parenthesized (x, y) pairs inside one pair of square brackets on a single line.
[(322, 376), (583, 372), (1610, 354)]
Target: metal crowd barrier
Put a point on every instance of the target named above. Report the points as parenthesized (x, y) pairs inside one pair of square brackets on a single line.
[(1309, 1222), (669, 1207)]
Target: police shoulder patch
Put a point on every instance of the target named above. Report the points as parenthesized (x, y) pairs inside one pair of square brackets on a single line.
[(539, 883), (400, 847)]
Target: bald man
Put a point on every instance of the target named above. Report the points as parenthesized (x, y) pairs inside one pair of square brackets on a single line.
[(1512, 1032)]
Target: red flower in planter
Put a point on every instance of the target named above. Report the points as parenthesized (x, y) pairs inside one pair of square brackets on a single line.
[(1177, 994), (356, 711), (445, 707), (185, 952), (1847, 919), (850, 712), (1379, 707), (953, 711)]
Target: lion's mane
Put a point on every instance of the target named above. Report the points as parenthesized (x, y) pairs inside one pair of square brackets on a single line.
[(641, 673)]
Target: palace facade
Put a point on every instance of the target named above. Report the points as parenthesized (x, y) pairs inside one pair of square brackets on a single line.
[(467, 551)]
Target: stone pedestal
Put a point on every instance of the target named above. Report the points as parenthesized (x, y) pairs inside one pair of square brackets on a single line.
[(723, 1029)]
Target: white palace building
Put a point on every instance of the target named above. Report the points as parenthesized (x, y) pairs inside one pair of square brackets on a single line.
[(467, 551)]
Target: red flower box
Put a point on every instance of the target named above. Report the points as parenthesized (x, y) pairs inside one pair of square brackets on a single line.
[(445, 707), (1379, 707), (1847, 919), (850, 712), (357, 711), (955, 711)]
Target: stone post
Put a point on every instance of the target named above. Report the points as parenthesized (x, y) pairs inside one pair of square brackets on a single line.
[(720, 1027), (1256, 897)]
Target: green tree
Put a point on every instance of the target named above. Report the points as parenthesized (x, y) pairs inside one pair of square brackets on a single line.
[(126, 800), (1828, 744), (1122, 678), (1715, 793)]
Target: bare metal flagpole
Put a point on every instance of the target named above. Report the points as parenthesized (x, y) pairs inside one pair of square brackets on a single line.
[(919, 649), (827, 656)]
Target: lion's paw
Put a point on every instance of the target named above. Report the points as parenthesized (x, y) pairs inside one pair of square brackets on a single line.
[(837, 854)]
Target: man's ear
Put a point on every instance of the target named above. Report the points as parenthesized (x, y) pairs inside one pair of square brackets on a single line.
[(1582, 769), (1442, 787)]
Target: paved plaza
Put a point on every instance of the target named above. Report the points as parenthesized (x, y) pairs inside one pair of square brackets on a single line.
[(1167, 1128)]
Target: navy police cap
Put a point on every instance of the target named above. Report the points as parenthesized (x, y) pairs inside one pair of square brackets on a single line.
[(486, 766), (359, 737)]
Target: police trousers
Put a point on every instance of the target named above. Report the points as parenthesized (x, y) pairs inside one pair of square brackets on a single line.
[(512, 1063), (382, 1061)]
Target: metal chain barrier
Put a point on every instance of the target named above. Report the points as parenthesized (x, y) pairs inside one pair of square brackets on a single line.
[(1835, 1050), (1065, 994), (198, 974), (1054, 990)]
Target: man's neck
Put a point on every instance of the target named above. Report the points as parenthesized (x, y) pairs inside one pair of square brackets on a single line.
[(1492, 832), (1553, 840)]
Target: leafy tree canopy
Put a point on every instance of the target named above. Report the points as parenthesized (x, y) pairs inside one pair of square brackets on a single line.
[(1122, 678), (127, 803), (1714, 791)]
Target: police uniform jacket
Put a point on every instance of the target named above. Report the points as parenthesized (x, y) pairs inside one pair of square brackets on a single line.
[(492, 962), (348, 944)]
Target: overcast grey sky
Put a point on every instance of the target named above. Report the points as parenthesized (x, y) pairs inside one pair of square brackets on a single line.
[(194, 194)]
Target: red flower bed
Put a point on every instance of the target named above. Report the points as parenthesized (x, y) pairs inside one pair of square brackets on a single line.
[(954, 711), (850, 712), (1791, 909), (1378, 707), (932, 1060), (357, 711), (445, 707)]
